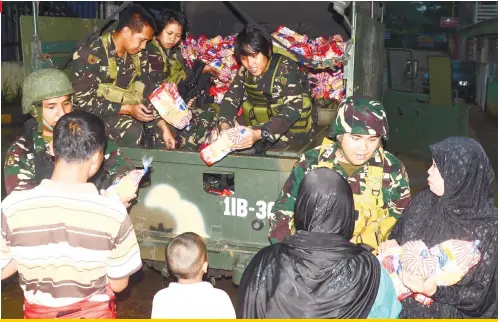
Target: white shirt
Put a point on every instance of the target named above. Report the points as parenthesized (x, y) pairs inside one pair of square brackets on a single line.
[(192, 301)]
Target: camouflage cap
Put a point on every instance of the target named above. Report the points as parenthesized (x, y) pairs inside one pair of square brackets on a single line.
[(44, 84), (360, 115)]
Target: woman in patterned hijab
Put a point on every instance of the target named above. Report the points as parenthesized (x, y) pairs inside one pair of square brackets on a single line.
[(459, 204)]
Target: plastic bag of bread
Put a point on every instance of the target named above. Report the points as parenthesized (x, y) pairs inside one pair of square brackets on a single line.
[(170, 105), (128, 185), (223, 144)]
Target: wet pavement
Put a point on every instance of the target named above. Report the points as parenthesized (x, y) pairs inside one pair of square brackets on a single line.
[(133, 303), (136, 300)]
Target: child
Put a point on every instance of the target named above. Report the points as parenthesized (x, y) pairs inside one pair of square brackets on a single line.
[(190, 297)]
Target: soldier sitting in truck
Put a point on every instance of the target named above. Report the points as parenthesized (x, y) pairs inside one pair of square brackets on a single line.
[(272, 93), (47, 96), (111, 81), (378, 179), (168, 65)]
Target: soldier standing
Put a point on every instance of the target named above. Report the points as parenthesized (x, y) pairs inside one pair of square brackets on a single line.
[(272, 93), (111, 80), (47, 96), (377, 178)]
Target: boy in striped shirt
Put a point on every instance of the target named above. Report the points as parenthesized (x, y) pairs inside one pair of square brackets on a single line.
[(72, 247)]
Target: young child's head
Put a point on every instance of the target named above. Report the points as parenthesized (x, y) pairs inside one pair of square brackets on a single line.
[(186, 256)]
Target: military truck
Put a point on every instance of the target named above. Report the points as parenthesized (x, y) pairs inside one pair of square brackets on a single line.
[(178, 196)]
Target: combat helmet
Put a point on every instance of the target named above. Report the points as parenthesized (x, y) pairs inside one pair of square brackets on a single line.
[(360, 115), (41, 85)]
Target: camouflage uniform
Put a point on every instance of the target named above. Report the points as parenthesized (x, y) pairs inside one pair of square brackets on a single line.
[(90, 68), (169, 66), (27, 163), (165, 65), (356, 115), (289, 88)]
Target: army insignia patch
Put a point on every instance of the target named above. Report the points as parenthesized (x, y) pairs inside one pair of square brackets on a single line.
[(10, 161), (283, 80), (92, 59)]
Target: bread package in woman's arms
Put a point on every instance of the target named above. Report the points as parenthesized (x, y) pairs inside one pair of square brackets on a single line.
[(128, 185), (447, 262)]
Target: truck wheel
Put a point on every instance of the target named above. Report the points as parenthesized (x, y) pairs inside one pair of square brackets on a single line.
[(213, 281)]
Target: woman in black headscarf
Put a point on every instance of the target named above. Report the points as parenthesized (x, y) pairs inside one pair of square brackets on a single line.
[(318, 272), (459, 204)]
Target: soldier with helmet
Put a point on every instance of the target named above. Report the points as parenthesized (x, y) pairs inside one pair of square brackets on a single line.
[(47, 96), (377, 178)]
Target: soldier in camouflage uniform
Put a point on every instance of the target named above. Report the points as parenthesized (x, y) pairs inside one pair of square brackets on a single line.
[(166, 64), (111, 80), (272, 93), (377, 178), (47, 95)]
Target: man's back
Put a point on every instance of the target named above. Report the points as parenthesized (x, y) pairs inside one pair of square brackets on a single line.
[(67, 240)]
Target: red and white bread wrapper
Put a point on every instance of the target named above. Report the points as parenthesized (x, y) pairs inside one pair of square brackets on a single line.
[(448, 262), (170, 105), (128, 185), (223, 145)]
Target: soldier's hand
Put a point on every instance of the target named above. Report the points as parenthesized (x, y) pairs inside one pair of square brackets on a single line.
[(169, 138), (252, 137), (139, 112), (224, 126), (212, 70)]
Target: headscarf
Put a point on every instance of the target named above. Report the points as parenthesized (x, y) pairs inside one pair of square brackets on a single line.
[(468, 178), (465, 211), (317, 272)]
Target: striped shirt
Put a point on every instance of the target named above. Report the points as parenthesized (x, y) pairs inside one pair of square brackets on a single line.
[(67, 241)]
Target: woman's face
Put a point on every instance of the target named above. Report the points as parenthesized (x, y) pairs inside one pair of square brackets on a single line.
[(256, 63), (435, 180), (171, 35)]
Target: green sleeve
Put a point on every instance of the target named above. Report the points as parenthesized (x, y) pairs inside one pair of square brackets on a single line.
[(233, 98), (19, 172), (282, 221), (399, 189), (116, 164)]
